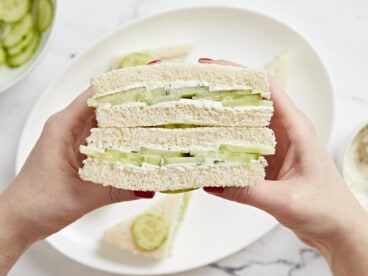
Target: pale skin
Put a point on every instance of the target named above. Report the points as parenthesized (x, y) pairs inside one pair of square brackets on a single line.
[(47, 194), (303, 190)]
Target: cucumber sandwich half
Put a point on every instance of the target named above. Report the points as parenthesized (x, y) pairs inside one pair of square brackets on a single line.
[(176, 127)]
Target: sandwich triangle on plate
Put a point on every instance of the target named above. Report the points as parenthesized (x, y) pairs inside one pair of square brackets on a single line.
[(152, 232), (175, 127)]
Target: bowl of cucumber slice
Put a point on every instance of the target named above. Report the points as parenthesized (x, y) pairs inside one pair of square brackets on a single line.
[(25, 28)]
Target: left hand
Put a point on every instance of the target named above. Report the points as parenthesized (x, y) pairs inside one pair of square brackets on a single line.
[(48, 194)]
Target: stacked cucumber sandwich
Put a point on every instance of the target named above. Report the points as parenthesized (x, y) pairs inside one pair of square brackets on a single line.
[(174, 127), (22, 23)]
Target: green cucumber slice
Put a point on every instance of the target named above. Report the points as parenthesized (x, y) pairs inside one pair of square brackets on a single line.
[(26, 55), (220, 94), (2, 55), (205, 153), (180, 191), (188, 92), (135, 59), (44, 14), (124, 157), (239, 157), (245, 100), (263, 150), (162, 99), (23, 44), (150, 94), (13, 33), (184, 160), (122, 97), (162, 152), (91, 152), (172, 126), (149, 231), (152, 159), (13, 10)]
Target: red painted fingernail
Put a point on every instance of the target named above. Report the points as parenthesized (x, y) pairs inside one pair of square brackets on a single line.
[(214, 190), (154, 62), (204, 59), (143, 194)]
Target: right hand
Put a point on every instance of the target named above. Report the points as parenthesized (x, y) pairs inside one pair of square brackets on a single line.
[(303, 191)]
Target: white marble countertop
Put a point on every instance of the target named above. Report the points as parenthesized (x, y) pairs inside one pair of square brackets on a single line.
[(336, 29)]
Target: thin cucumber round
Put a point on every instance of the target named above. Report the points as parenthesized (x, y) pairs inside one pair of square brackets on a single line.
[(13, 10), (136, 59), (23, 44), (149, 231), (44, 14), (26, 55), (13, 33)]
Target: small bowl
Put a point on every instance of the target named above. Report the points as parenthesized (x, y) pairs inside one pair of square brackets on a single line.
[(353, 169), (11, 76)]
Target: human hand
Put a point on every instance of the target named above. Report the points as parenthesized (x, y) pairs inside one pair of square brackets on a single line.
[(304, 190), (48, 194)]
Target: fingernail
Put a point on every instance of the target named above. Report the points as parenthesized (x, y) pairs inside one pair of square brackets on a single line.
[(144, 194), (154, 62), (204, 59), (214, 190)]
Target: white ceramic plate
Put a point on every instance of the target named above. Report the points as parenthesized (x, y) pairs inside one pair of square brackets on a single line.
[(213, 228)]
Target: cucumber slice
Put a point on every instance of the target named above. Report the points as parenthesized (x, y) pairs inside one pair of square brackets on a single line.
[(150, 94), (263, 150), (162, 152), (26, 55), (135, 59), (122, 97), (184, 160), (168, 98), (205, 153), (152, 159), (2, 55), (172, 126), (13, 33), (246, 100), (23, 44), (124, 157), (179, 191), (188, 92), (220, 94), (13, 10), (239, 157), (91, 152), (149, 231), (44, 14)]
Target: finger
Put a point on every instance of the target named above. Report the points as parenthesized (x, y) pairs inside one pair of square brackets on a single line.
[(78, 109), (98, 195)]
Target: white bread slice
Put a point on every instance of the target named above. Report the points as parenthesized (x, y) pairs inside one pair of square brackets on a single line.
[(180, 138), (202, 113), (171, 208), (172, 177), (121, 79)]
